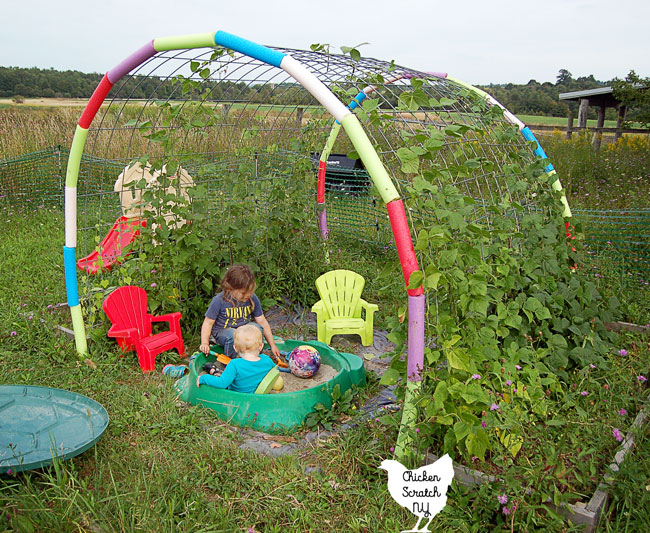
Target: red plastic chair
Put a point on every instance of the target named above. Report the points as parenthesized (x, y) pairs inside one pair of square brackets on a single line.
[(126, 308)]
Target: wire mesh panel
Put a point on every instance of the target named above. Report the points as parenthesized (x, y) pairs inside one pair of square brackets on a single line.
[(241, 137), (617, 243), (34, 179), (217, 107)]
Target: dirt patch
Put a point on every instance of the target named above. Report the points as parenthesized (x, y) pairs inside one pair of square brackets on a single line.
[(293, 383)]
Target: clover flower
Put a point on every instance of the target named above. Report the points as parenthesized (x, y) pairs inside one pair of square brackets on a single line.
[(622, 412), (616, 433), (622, 351), (494, 407), (642, 379), (476, 376), (503, 499)]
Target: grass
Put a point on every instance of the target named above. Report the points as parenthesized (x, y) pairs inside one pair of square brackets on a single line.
[(165, 466), (560, 122), (631, 493)]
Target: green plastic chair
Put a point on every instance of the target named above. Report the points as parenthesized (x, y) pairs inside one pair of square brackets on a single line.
[(339, 309)]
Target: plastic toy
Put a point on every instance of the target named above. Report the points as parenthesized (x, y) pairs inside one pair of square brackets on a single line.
[(126, 308), (304, 361), (41, 423), (281, 361), (127, 228), (120, 236), (339, 309), (273, 413)]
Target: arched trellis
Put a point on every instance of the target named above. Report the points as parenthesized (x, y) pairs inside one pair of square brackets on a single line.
[(344, 117)]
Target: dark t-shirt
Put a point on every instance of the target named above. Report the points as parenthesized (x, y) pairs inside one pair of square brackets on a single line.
[(232, 314)]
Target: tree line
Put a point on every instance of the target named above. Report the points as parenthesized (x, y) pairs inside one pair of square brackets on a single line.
[(532, 98), (542, 99)]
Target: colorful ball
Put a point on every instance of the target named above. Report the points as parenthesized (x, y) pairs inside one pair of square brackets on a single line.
[(304, 361)]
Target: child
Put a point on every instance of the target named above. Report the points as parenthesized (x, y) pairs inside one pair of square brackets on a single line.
[(235, 306), (245, 373)]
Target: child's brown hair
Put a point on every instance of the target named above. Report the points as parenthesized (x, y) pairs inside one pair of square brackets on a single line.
[(238, 277)]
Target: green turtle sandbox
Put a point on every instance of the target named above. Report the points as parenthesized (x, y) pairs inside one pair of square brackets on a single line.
[(276, 412), (38, 424)]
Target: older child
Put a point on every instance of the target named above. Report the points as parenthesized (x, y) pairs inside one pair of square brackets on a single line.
[(233, 307), (245, 373)]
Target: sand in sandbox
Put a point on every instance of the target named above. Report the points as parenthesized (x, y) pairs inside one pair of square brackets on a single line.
[(293, 383)]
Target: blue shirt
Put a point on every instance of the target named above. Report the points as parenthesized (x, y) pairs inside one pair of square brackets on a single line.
[(240, 375)]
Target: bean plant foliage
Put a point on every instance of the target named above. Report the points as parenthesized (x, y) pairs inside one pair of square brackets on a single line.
[(509, 312), (258, 213)]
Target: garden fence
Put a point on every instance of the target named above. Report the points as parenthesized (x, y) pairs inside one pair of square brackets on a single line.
[(617, 241)]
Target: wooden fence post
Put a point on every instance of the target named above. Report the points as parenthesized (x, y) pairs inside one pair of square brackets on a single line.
[(569, 125), (299, 113), (619, 121), (598, 134), (582, 112)]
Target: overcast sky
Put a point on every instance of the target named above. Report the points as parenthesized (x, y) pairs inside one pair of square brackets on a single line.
[(478, 41)]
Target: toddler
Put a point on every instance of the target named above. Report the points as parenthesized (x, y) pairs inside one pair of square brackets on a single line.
[(246, 372), (233, 307)]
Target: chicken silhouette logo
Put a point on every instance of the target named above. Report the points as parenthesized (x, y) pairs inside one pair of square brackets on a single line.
[(422, 491)]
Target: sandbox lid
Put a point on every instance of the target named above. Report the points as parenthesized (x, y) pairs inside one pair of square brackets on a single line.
[(40, 423)]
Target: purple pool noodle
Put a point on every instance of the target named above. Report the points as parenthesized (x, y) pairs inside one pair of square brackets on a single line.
[(415, 363), (135, 59), (409, 75), (322, 222)]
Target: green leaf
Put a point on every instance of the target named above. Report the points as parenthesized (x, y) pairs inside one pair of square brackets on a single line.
[(415, 279), (390, 377), (458, 359), (474, 393), (445, 420), (410, 160), (442, 102), (440, 395), (511, 441), (461, 430), (557, 341), (477, 444), (370, 104), (432, 280), (532, 304)]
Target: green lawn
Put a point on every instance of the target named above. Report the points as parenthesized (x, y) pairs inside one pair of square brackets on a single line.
[(561, 122)]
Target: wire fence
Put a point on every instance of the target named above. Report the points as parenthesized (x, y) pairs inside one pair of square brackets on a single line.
[(617, 241)]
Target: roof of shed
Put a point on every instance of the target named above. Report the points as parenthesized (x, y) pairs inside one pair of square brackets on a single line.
[(577, 95)]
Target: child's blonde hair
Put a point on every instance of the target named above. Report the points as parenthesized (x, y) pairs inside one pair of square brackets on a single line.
[(238, 277), (248, 338)]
